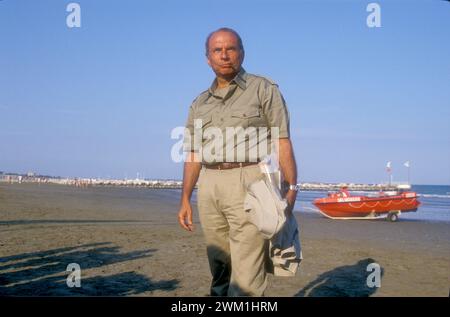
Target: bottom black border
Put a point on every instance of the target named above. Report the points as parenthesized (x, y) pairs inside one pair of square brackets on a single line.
[(216, 305)]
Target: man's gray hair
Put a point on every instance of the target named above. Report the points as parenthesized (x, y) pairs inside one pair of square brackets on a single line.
[(241, 46)]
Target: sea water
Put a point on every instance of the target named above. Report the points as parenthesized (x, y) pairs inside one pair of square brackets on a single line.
[(434, 199)]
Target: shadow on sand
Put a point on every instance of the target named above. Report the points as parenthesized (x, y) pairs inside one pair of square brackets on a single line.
[(66, 221), (343, 281), (44, 273)]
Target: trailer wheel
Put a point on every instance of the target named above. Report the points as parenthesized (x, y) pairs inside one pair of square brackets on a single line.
[(392, 216)]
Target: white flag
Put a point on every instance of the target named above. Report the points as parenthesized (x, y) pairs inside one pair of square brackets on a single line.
[(406, 164), (388, 166)]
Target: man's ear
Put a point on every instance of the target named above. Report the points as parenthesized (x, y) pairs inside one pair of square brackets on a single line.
[(207, 60)]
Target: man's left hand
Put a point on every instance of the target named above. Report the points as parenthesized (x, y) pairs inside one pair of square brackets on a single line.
[(291, 195)]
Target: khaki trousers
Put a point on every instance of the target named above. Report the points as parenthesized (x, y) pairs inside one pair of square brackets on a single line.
[(236, 250)]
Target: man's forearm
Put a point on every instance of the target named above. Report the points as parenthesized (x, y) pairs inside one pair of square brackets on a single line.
[(288, 165), (190, 176)]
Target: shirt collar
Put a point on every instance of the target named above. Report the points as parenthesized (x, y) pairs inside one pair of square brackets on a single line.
[(240, 79)]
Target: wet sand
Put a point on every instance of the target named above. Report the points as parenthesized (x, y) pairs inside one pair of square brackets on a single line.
[(127, 242)]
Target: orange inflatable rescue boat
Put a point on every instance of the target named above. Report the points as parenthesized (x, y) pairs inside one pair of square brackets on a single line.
[(343, 205)]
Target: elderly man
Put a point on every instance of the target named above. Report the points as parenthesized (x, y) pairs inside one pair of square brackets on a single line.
[(236, 250)]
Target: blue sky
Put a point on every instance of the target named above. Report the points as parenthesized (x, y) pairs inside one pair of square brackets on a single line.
[(101, 100)]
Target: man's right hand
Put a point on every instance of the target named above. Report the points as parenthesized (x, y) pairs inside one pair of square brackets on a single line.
[(185, 216), (191, 173)]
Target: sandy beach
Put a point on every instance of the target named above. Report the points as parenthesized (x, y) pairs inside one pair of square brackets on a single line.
[(127, 242)]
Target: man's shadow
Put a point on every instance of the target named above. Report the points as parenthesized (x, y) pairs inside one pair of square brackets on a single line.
[(344, 281), (44, 273)]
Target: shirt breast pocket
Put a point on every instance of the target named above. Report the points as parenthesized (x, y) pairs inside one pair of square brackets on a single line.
[(250, 117), (203, 121)]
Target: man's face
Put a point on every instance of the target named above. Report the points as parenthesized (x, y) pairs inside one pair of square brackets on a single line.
[(224, 55)]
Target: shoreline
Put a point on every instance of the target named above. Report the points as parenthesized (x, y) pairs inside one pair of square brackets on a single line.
[(173, 184)]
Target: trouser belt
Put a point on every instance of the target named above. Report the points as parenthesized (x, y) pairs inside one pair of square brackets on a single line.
[(228, 165)]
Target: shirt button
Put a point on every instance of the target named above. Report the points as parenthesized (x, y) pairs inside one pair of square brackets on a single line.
[(244, 115)]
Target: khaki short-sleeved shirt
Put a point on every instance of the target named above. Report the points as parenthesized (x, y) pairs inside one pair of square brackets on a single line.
[(229, 124)]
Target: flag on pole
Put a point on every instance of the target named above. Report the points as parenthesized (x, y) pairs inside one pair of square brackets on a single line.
[(388, 167), (407, 165)]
